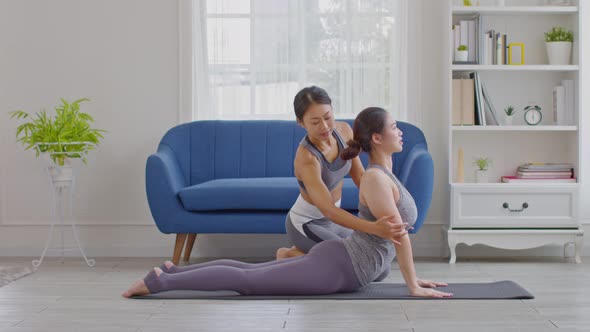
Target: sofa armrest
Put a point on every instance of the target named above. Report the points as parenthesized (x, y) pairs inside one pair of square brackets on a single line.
[(417, 175), (163, 180)]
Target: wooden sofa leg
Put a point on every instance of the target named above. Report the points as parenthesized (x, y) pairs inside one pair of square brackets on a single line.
[(189, 246), (180, 238)]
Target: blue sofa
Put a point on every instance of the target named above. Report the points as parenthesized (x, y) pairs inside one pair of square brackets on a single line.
[(237, 177)]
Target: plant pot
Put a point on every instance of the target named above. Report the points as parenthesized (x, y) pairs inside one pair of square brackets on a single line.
[(481, 176), (508, 120), (62, 174), (559, 53), (461, 56)]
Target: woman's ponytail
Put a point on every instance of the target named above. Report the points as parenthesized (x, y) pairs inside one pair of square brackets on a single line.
[(353, 150)]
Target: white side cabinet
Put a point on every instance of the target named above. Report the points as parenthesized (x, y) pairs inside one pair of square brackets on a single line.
[(517, 215), (514, 216)]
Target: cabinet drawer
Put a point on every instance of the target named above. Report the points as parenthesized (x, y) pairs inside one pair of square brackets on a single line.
[(518, 207)]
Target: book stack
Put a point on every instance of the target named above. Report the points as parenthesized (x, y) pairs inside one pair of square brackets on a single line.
[(543, 173)]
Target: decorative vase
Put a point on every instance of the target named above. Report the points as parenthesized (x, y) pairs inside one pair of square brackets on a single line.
[(461, 56), (508, 120), (481, 176), (559, 53)]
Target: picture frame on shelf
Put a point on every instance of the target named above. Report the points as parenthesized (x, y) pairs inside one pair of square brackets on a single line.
[(516, 54)]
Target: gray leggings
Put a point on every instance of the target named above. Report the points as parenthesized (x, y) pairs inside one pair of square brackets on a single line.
[(326, 269), (316, 231)]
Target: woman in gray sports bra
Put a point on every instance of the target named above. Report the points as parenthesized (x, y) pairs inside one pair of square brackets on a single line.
[(332, 266), (316, 216)]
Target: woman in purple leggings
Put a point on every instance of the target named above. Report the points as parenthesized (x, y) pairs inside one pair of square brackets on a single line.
[(331, 266)]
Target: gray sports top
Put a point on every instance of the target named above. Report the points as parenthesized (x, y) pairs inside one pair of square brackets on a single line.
[(371, 255), (332, 172)]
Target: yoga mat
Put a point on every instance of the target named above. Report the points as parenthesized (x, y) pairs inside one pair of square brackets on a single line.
[(375, 291)]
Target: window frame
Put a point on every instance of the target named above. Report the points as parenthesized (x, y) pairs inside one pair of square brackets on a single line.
[(186, 68)]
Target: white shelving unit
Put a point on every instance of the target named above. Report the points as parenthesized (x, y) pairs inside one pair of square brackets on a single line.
[(509, 215)]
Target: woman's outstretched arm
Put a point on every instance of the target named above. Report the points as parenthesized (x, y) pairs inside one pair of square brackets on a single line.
[(377, 191)]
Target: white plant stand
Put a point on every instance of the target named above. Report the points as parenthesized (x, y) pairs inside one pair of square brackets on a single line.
[(62, 178)]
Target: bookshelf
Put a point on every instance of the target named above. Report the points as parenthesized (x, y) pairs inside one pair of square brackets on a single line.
[(515, 215)]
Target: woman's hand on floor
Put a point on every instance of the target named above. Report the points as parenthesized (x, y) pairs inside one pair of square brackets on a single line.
[(430, 284), (429, 292)]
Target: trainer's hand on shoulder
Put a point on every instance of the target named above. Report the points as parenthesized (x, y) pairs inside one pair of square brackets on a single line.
[(387, 228)]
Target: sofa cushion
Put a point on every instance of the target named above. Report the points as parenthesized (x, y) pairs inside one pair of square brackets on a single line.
[(278, 193), (241, 194)]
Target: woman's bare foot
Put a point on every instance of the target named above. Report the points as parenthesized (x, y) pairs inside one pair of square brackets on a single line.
[(169, 264), (139, 288), (282, 253), (289, 252)]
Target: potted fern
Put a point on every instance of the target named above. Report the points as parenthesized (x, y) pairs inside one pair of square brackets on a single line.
[(558, 42), (481, 173), (65, 136)]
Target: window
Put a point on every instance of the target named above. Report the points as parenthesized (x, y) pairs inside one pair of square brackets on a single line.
[(250, 57)]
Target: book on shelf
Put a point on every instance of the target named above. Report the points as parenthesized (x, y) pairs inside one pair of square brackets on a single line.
[(515, 179), (490, 111), (495, 47), (478, 106), (569, 102), (546, 166), (463, 95), (559, 105), (538, 175)]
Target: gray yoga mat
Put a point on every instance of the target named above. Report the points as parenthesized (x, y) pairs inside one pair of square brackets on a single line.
[(376, 291)]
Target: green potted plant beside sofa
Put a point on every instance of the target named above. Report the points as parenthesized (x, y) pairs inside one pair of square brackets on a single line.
[(558, 42), (65, 136)]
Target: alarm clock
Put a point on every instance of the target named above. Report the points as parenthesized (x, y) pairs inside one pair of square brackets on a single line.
[(532, 115)]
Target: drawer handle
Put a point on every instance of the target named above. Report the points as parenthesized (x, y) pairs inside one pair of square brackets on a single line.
[(507, 206)]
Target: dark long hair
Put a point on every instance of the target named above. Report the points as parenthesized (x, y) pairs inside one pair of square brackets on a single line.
[(307, 97), (368, 122)]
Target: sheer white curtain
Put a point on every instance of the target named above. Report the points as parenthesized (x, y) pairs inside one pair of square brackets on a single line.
[(250, 57)]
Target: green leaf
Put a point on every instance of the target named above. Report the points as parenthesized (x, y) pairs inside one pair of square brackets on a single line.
[(66, 126)]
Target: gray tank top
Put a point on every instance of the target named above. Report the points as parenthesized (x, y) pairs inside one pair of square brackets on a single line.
[(332, 172), (371, 254)]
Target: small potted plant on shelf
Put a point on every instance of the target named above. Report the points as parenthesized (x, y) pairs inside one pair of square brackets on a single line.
[(461, 53), (467, 3), (481, 173), (64, 136), (510, 111), (558, 42)]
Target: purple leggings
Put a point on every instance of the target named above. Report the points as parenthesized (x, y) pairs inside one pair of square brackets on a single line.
[(326, 269)]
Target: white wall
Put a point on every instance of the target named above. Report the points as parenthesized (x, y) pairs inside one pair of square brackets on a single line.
[(123, 54)]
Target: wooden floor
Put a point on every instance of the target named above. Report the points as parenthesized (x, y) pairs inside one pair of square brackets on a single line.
[(68, 296)]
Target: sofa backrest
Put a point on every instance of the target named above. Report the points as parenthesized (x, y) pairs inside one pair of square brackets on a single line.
[(208, 150)]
